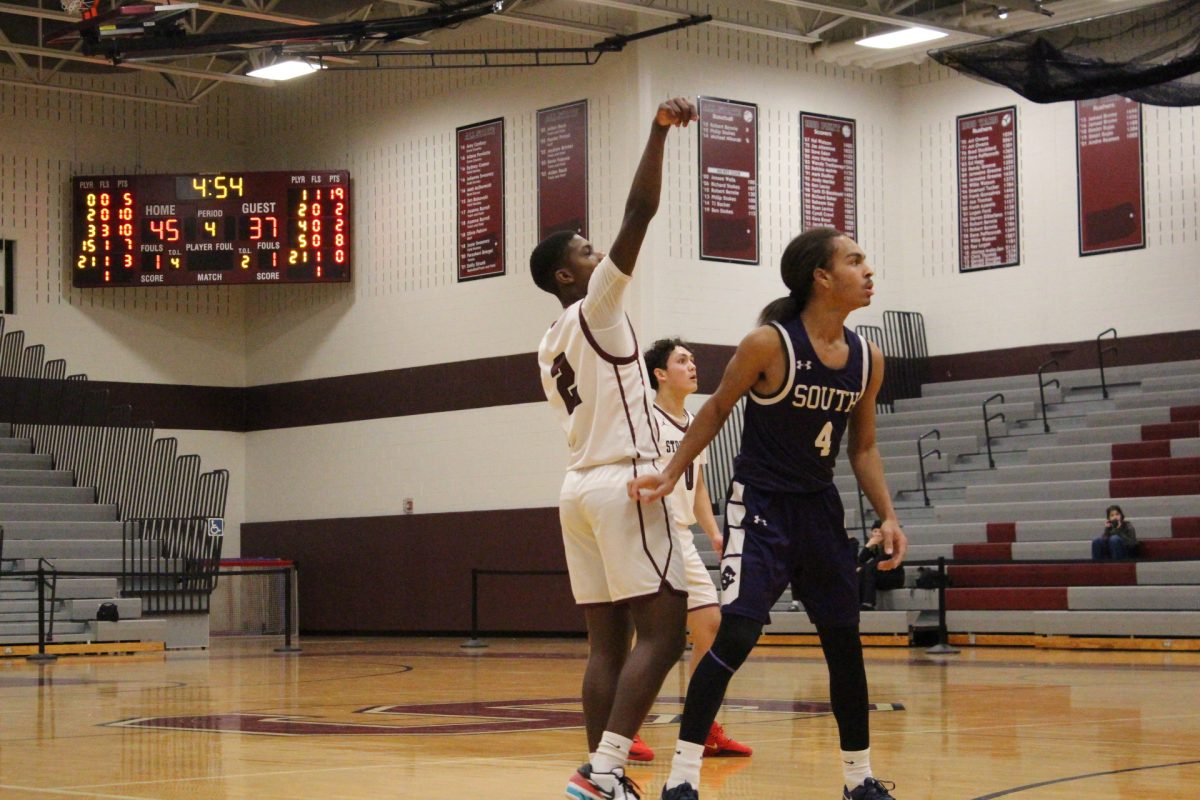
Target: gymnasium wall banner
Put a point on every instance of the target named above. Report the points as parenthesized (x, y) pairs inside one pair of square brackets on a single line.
[(988, 231), (828, 177), (728, 180), (1108, 137), (480, 182), (562, 159)]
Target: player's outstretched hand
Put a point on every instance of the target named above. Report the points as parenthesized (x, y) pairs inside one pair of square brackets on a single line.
[(678, 111), (895, 544), (650, 487)]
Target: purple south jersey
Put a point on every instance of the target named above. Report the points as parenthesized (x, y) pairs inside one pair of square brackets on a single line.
[(784, 521), (791, 439)]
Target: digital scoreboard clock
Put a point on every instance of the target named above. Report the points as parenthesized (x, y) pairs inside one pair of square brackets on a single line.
[(204, 229)]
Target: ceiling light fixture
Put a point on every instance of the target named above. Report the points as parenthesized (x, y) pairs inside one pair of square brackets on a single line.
[(285, 70), (901, 38)]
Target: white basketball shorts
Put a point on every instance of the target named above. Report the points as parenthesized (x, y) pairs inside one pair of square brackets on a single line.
[(617, 549)]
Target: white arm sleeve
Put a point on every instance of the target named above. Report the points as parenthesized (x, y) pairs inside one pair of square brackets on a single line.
[(604, 305), (604, 309)]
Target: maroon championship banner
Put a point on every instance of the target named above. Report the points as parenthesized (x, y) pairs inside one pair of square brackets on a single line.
[(728, 180), (1109, 155), (562, 169), (988, 233), (480, 173), (828, 181)]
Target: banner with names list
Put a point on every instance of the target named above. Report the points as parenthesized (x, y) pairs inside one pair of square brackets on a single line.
[(480, 184), (828, 177), (728, 180), (988, 229), (562, 151), (1108, 138)]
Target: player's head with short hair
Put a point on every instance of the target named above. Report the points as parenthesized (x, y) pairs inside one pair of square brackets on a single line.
[(810, 251), (547, 258), (674, 360)]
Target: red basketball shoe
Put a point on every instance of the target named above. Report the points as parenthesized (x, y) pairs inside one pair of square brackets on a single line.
[(718, 744), (639, 750)]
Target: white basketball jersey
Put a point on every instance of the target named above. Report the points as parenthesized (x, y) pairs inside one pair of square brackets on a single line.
[(683, 497), (600, 397)]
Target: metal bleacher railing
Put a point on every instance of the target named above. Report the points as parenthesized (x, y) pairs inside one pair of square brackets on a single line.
[(987, 430), (172, 513), (718, 473), (1101, 352), (1042, 384), (902, 340)]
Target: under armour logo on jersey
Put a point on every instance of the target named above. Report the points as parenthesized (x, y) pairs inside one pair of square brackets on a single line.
[(803, 365), (728, 576), (759, 520)]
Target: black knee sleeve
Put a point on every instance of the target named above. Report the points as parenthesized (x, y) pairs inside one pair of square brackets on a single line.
[(735, 639), (847, 685)]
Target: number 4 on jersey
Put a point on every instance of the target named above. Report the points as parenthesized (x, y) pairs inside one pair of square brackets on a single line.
[(824, 441), (564, 377)]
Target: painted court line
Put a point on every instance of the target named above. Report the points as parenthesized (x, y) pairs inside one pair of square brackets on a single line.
[(1085, 776)]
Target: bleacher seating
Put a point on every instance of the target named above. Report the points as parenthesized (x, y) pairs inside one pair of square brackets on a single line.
[(108, 512), (45, 516), (1044, 501)]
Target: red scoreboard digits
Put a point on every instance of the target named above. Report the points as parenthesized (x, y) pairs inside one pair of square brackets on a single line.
[(203, 229)]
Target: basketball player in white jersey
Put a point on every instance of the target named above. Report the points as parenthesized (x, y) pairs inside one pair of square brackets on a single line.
[(671, 368), (625, 566)]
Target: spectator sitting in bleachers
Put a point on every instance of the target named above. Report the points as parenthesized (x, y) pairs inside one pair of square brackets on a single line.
[(1119, 539)]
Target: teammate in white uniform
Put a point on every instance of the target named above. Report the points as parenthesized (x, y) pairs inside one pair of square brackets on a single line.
[(672, 372), (626, 569)]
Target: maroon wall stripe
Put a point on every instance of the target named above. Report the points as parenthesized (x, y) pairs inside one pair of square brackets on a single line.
[(510, 380), (1150, 349), (178, 406), (412, 573), (457, 386)]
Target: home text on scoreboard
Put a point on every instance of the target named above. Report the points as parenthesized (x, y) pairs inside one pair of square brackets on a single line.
[(212, 228)]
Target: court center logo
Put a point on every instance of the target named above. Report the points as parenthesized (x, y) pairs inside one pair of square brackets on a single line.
[(457, 719)]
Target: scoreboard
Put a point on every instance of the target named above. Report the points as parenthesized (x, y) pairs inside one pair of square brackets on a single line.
[(213, 228)]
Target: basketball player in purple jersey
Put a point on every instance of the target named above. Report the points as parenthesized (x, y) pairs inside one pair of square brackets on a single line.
[(807, 377), (626, 571)]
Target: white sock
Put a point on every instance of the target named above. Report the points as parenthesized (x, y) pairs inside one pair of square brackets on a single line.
[(856, 767), (613, 752), (685, 766)]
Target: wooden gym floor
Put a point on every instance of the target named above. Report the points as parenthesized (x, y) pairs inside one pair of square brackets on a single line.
[(423, 718)]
